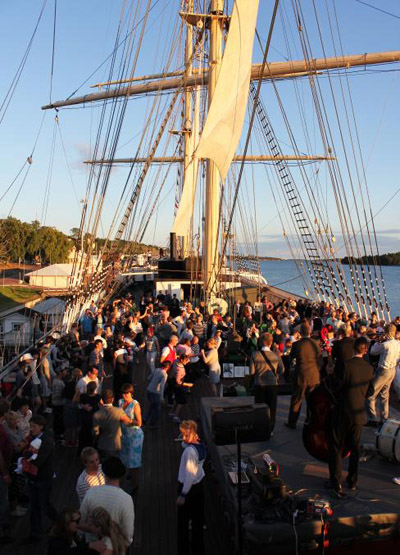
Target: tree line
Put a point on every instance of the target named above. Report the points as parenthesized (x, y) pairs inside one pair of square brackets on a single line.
[(33, 242), (47, 245), (388, 259)]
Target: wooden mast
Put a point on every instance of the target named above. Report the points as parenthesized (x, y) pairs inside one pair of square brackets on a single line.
[(187, 124), (238, 158), (274, 70), (212, 201)]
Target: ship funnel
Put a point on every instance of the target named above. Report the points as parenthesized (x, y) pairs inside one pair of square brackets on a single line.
[(172, 246)]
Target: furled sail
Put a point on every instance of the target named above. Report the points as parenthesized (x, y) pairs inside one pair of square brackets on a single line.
[(183, 219), (224, 123)]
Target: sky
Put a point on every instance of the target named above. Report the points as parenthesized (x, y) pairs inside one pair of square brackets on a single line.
[(84, 38)]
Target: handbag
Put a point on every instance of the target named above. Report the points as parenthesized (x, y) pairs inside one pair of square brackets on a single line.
[(29, 468)]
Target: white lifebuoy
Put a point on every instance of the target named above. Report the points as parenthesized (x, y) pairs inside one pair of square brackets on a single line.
[(220, 304)]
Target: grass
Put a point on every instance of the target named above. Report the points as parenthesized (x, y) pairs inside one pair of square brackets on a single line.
[(13, 296)]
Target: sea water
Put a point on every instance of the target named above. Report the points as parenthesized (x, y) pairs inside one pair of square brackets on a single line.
[(285, 274)]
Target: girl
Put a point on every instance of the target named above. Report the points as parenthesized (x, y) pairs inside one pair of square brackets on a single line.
[(190, 499)]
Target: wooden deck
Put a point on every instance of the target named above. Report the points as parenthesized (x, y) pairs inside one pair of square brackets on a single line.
[(155, 509)]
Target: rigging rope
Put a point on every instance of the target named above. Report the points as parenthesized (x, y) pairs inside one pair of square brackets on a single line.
[(9, 94)]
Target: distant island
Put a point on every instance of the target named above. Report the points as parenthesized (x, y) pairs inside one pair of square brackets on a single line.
[(254, 257), (388, 259)]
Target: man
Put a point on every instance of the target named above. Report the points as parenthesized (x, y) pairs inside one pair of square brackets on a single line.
[(107, 425), (169, 352), (349, 418), (199, 328), (96, 358), (87, 323), (91, 376), (112, 498), (388, 349), (306, 352), (342, 351), (180, 321), (30, 359), (41, 483), (92, 476), (266, 366)]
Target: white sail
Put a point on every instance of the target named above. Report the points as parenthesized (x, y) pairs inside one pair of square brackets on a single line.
[(224, 123), (183, 219)]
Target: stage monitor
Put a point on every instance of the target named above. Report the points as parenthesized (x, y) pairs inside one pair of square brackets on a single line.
[(247, 423)]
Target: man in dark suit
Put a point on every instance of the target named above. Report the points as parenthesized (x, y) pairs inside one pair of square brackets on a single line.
[(40, 484), (306, 352), (349, 417), (342, 351)]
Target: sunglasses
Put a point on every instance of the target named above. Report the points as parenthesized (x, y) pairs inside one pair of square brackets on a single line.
[(76, 520)]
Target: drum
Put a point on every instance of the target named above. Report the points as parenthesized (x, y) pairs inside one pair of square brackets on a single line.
[(388, 440)]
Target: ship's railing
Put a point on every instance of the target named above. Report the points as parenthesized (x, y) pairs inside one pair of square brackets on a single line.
[(7, 368)]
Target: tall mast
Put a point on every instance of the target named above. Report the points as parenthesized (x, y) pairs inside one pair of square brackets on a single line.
[(212, 204), (187, 124)]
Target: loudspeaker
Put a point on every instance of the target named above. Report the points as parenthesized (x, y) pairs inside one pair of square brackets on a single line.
[(251, 423)]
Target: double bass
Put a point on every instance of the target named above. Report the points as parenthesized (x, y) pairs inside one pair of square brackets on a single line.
[(317, 436)]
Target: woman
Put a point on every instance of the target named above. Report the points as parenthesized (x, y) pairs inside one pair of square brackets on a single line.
[(132, 436), (64, 538), (109, 531), (214, 369), (152, 349), (190, 499)]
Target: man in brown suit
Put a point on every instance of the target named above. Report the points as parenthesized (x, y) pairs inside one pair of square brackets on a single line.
[(266, 367), (306, 352)]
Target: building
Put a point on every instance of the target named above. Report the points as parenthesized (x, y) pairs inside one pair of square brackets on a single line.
[(56, 276)]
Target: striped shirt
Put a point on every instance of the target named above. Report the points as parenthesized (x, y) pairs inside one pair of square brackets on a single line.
[(87, 481), (116, 502)]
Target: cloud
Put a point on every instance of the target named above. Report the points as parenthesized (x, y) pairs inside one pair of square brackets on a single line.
[(84, 153), (271, 244)]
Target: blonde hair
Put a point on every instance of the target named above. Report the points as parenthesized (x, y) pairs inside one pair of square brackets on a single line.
[(102, 519), (191, 427), (11, 417)]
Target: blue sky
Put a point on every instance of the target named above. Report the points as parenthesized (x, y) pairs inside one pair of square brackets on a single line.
[(84, 37)]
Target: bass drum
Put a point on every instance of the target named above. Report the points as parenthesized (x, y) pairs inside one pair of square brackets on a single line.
[(388, 440)]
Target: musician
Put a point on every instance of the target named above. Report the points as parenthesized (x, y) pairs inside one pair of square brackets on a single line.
[(388, 347), (307, 353), (342, 351), (266, 366), (348, 418)]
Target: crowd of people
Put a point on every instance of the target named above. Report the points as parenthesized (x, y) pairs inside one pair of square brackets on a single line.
[(78, 390)]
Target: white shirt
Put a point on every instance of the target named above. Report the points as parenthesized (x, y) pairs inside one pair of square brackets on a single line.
[(116, 502), (82, 383), (190, 469), (87, 481), (390, 354), (102, 340)]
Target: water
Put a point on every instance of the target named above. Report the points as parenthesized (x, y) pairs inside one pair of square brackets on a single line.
[(285, 275)]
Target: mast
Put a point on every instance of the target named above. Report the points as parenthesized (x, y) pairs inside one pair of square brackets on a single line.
[(187, 124), (212, 203)]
